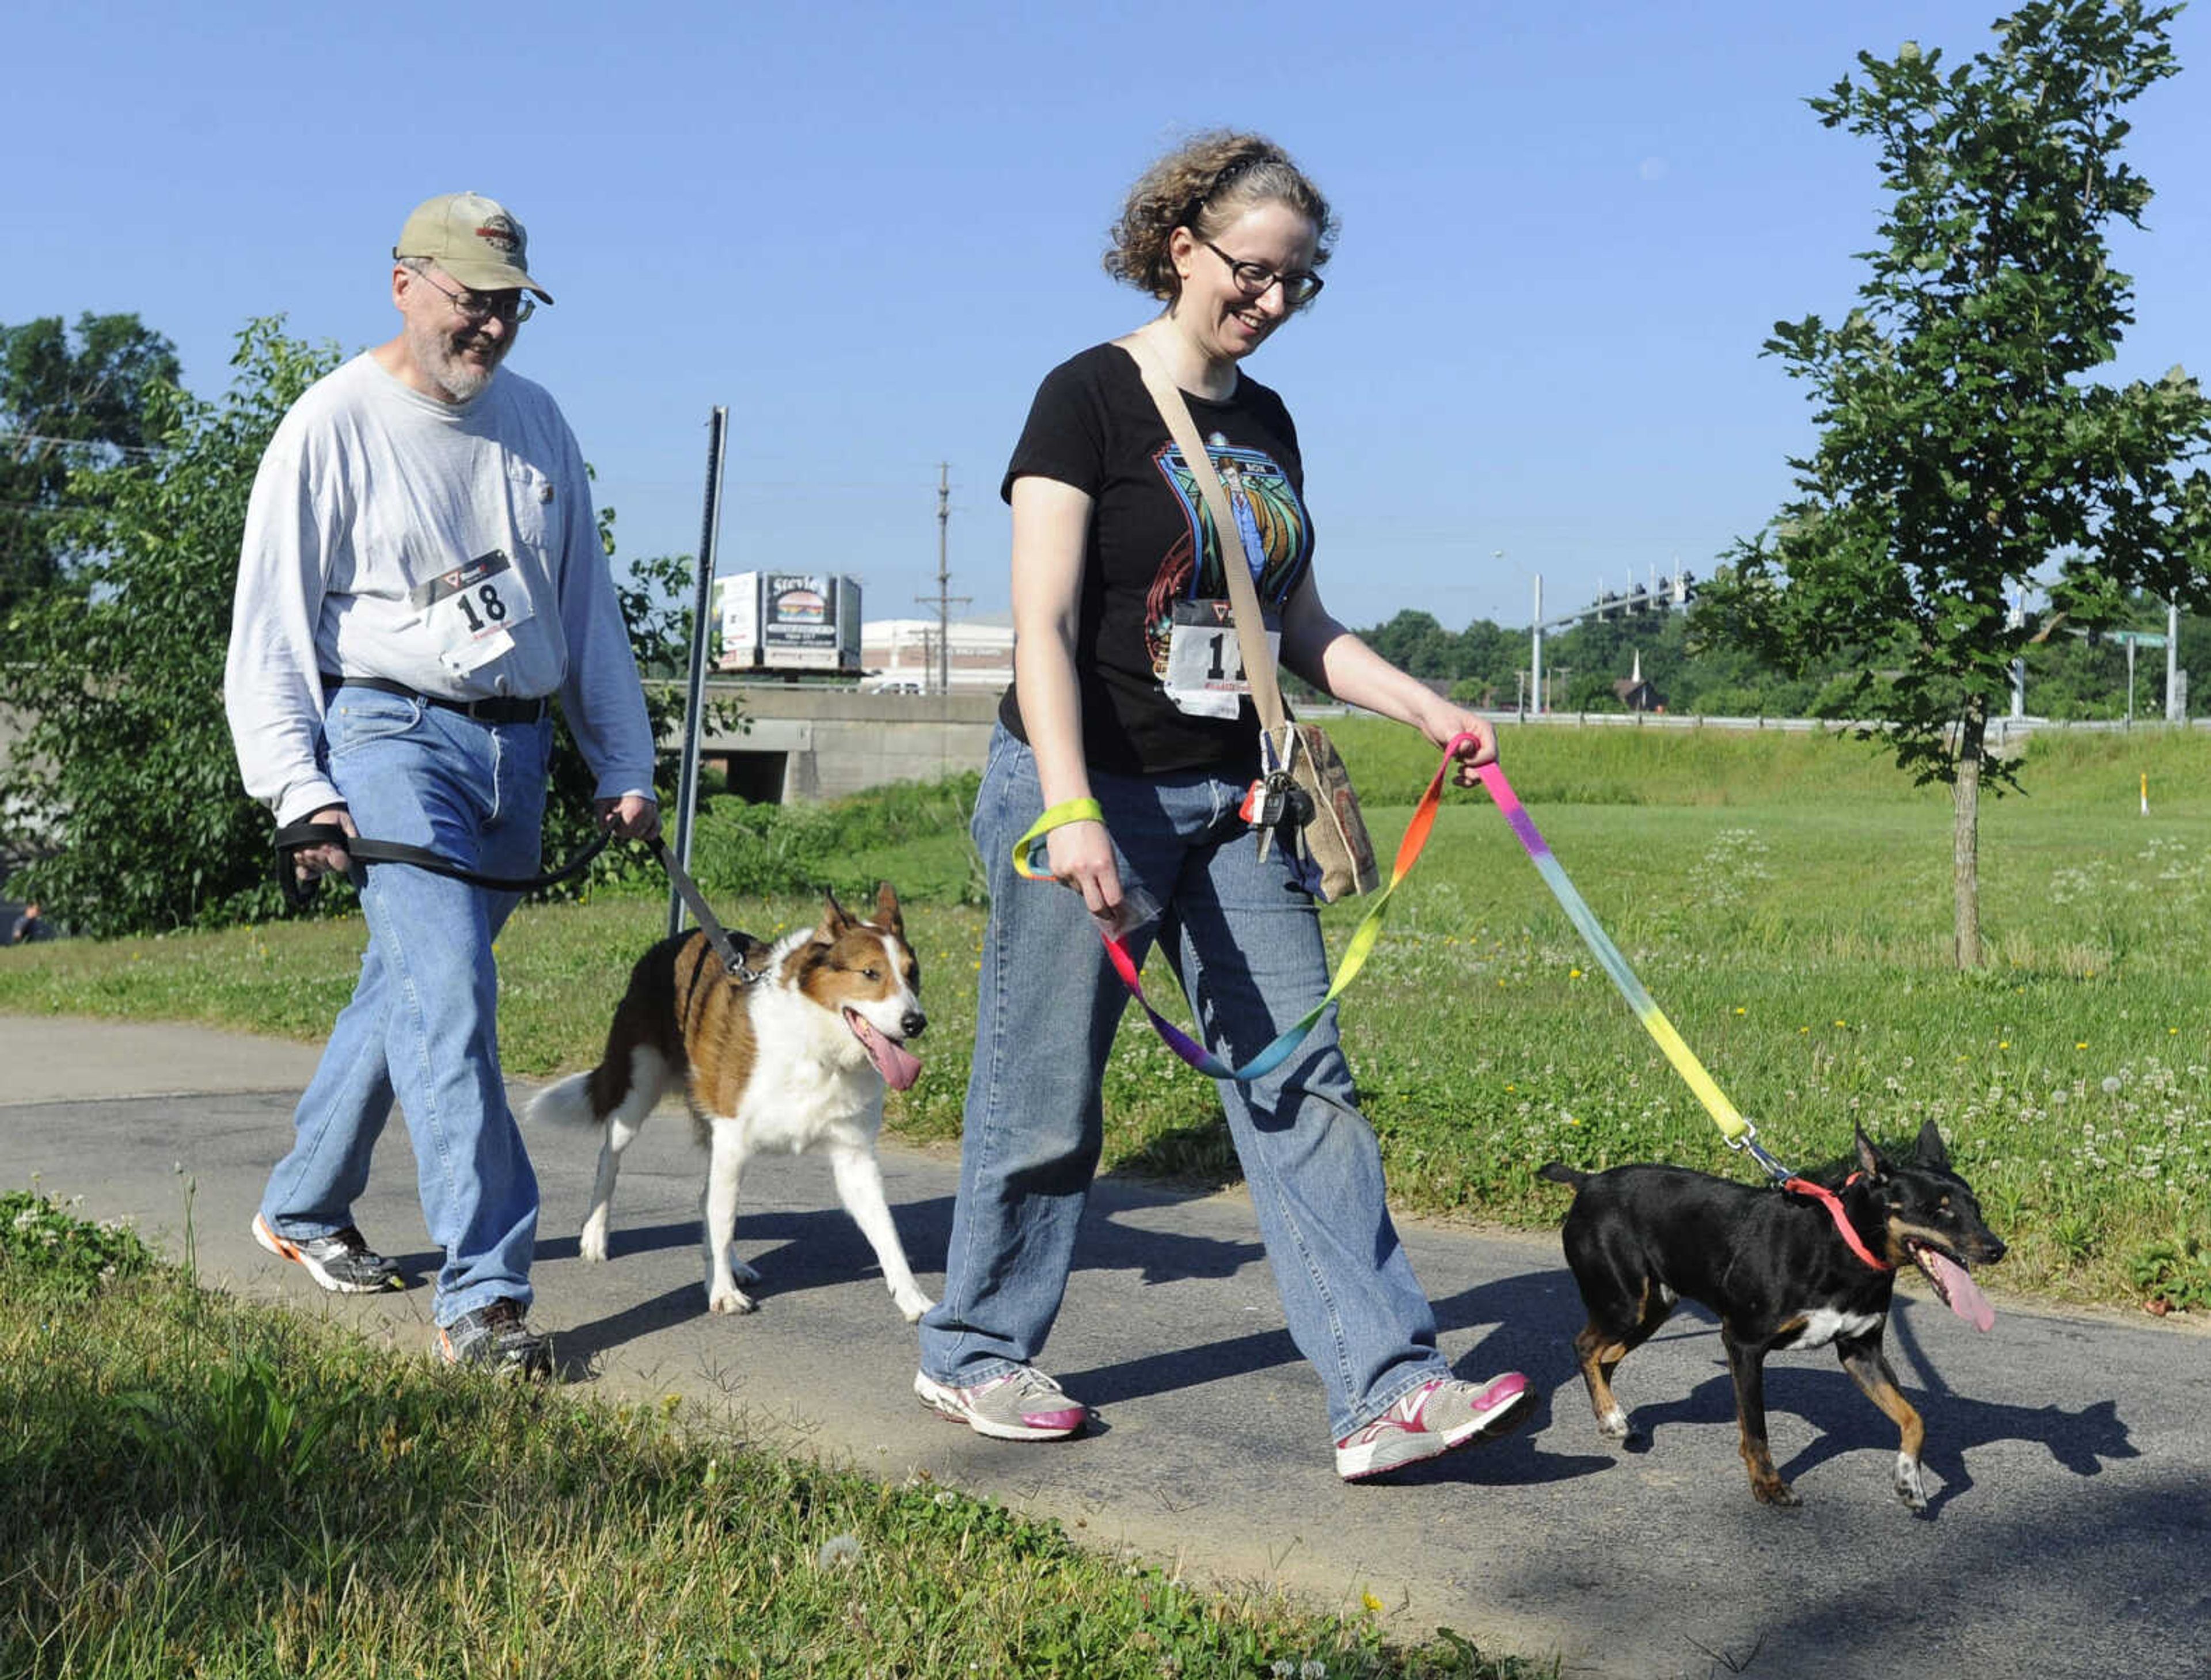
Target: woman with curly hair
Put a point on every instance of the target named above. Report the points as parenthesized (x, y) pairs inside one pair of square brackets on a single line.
[(1118, 598)]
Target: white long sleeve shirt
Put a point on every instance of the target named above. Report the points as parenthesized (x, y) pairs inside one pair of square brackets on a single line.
[(450, 547)]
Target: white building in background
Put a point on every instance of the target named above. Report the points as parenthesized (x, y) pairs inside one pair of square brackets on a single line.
[(900, 655)]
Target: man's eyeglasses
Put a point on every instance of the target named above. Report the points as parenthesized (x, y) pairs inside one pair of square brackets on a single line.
[(477, 307), (1253, 279)]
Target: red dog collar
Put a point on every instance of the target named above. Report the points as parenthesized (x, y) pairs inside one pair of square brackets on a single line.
[(1834, 1205)]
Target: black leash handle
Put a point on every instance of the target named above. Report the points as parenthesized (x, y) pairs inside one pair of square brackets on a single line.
[(296, 836)]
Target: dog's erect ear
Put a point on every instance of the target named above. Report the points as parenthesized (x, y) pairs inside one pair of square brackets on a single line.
[(834, 920), (1934, 1153), (1870, 1158), (887, 909)]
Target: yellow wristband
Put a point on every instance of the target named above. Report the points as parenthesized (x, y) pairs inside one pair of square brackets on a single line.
[(1067, 811)]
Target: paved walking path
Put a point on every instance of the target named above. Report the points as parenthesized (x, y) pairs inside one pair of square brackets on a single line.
[(2067, 1537)]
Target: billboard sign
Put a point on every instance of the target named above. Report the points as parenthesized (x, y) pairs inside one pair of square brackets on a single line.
[(790, 621)]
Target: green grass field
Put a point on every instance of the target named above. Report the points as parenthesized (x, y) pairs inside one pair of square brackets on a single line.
[(1784, 897)]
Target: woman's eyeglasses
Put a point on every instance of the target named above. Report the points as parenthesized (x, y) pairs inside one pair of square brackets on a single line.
[(1253, 279)]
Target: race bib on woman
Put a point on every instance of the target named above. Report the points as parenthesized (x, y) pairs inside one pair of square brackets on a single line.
[(1205, 675)]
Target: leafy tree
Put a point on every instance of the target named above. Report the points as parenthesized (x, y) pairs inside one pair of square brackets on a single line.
[(2194, 661), (126, 768), (1962, 451), (1414, 642), (1491, 659), (64, 405), (127, 760), (1479, 661)]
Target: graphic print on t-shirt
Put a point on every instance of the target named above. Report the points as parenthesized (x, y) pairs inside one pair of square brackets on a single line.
[(1274, 526)]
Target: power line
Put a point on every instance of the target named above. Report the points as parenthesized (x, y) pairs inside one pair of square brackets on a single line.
[(45, 442)]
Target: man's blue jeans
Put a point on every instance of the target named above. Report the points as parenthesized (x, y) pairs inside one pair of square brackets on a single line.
[(422, 1022), (1248, 947)]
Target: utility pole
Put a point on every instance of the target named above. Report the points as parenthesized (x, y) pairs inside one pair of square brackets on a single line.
[(1535, 651), (945, 598)]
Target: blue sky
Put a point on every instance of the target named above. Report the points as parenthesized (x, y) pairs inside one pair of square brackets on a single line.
[(868, 230)]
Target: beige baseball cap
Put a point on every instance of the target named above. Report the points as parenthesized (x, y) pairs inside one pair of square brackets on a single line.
[(474, 239)]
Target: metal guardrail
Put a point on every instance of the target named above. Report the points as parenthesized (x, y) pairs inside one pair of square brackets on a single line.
[(2000, 730)]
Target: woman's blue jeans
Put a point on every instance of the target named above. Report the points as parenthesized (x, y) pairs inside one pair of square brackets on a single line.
[(1248, 947), (422, 1022)]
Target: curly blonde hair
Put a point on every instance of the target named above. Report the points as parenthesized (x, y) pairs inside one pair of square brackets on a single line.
[(1204, 184)]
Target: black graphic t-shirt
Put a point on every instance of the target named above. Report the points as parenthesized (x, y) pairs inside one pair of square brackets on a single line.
[(1151, 545)]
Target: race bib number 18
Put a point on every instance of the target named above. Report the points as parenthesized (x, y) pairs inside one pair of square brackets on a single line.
[(470, 611)]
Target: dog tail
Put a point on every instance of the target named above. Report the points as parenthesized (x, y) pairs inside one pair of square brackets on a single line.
[(567, 1102), (1559, 1173)]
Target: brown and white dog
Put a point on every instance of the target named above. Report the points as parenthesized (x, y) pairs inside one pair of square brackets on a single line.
[(792, 1062)]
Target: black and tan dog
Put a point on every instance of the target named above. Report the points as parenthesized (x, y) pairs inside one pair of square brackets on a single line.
[(1795, 1267), (792, 1060)]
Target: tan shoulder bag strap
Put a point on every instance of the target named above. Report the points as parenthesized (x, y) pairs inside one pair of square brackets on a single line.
[(1250, 622)]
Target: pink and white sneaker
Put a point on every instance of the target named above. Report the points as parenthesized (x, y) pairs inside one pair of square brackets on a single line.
[(1433, 1420), (1023, 1405)]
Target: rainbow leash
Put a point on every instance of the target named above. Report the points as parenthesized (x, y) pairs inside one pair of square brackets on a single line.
[(1739, 1132), (1355, 956)]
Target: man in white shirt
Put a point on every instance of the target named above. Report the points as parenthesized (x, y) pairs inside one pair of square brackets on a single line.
[(421, 574)]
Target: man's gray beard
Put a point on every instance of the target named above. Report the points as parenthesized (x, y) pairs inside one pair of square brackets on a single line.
[(462, 381)]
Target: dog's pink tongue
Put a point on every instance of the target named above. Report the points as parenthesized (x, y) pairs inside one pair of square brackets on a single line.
[(898, 1066), (1965, 1296)]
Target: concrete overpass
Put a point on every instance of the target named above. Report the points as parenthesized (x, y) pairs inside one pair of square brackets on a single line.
[(807, 743)]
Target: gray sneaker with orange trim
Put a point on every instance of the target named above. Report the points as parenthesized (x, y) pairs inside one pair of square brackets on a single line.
[(494, 1337), (341, 1262)]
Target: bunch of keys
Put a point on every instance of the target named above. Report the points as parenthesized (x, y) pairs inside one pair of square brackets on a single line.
[(1265, 801), (1270, 801)]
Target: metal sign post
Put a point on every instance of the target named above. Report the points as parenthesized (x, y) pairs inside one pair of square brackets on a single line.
[(687, 795)]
